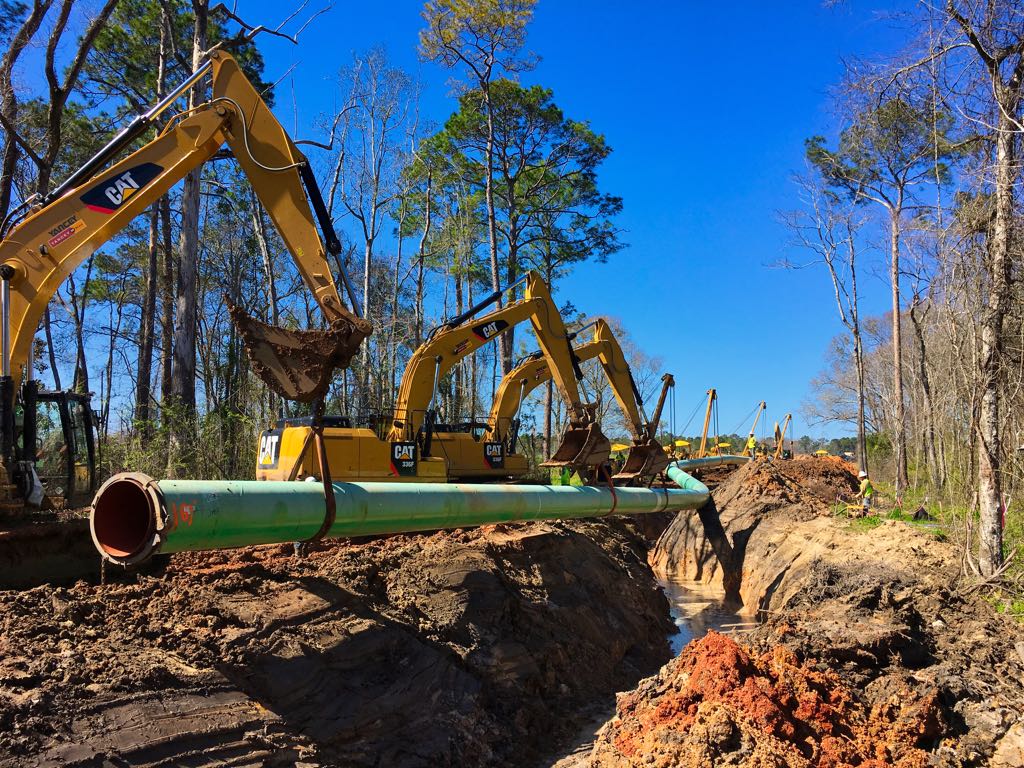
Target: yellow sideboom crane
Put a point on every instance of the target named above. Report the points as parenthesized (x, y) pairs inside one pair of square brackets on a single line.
[(703, 450), (58, 232), (780, 436), (747, 449), (646, 456), (415, 446)]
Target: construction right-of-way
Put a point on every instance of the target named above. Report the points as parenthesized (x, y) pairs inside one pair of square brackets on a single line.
[(412, 469)]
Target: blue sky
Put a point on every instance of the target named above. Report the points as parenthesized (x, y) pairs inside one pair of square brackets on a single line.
[(706, 106)]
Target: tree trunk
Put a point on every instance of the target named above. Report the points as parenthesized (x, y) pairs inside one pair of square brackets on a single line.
[(549, 394), (393, 333), (48, 333), (421, 258), (115, 332), (365, 397), (80, 379), (899, 411), (858, 360), (147, 328), (931, 454), (990, 530), (167, 299), (183, 380), (459, 395), (492, 225), (260, 230)]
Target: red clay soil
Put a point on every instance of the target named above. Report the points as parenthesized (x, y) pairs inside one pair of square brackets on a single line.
[(717, 703)]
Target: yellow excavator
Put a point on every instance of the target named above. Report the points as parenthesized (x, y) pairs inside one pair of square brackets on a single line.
[(46, 238), (646, 456), (415, 446)]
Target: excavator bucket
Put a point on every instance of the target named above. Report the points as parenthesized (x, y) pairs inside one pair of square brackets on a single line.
[(296, 364), (581, 447), (644, 461)]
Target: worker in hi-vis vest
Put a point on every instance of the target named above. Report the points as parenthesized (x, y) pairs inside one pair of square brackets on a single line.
[(752, 445), (866, 492)]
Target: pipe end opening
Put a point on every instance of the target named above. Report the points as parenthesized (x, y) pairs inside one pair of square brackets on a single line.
[(123, 519)]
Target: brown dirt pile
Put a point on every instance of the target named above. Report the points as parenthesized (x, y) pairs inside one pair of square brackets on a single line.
[(720, 704), (802, 486), (459, 648), (902, 620)]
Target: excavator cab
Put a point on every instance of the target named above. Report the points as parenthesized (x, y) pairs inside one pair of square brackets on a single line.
[(65, 447), (53, 446)]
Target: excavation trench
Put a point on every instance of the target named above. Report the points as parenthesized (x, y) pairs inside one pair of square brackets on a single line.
[(869, 649), (493, 645)]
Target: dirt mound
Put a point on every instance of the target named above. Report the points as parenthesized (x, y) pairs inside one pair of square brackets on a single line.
[(802, 486), (887, 623), (756, 503), (459, 648), (883, 610), (824, 477), (719, 704)]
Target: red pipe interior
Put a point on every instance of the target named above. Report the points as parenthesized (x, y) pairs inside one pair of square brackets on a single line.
[(122, 519)]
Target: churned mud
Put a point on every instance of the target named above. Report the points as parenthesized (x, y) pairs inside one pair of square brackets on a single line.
[(460, 648)]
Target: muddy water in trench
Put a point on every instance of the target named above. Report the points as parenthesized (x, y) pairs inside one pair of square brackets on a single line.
[(695, 608)]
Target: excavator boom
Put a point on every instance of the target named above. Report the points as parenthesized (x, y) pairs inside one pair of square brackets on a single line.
[(583, 443), (646, 457), (100, 199), (40, 253)]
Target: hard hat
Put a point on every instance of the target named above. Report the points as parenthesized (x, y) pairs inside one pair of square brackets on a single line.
[(862, 473)]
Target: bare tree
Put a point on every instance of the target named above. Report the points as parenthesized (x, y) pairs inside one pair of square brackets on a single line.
[(829, 229), (372, 157), (994, 36), (892, 146), (59, 89)]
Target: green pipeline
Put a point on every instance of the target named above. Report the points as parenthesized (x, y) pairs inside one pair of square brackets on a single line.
[(686, 482), (711, 461), (134, 516)]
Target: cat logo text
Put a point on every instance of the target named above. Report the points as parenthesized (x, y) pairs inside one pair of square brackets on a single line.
[(111, 194)]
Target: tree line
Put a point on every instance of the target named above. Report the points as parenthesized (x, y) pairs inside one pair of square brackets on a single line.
[(923, 176), (433, 217)]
